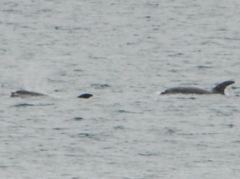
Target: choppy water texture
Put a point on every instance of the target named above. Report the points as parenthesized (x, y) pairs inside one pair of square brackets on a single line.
[(125, 53)]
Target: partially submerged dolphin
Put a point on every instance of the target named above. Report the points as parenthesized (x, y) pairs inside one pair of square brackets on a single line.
[(218, 89), (85, 95), (25, 93)]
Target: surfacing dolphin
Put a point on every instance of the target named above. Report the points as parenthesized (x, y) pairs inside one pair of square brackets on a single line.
[(25, 93), (218, 89)]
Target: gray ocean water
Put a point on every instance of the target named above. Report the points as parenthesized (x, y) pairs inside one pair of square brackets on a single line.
[(125, 53)]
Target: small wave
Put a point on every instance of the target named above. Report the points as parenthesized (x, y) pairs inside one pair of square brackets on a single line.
[(203, 67), (130, 112), (148, 154), (87, 135), (100, 86), (22, 105)]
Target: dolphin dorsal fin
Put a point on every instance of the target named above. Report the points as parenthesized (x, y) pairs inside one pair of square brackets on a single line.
[(219, 88)]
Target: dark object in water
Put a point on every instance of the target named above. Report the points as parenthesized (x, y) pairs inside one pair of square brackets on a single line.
[(78, 118), (23, 105), (218, 89), (85, 95), (25, 93)]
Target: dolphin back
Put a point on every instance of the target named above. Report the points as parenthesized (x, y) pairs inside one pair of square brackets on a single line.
[(25, 93), (220, 88), (185, 90)]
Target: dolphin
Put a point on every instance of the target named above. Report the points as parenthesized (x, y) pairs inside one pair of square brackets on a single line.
[(218, 89), (25, 93), (85, 95)]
